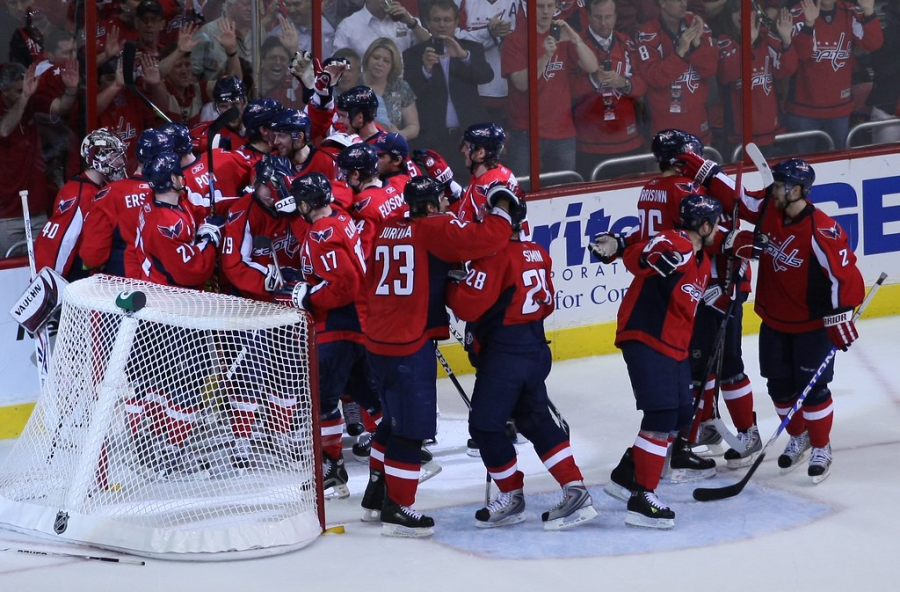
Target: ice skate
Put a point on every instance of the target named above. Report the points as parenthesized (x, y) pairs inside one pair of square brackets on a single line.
[(796, 451), (507, 508), (472, 449), (403, 521), (373, 498), (820, 464), (352, 419), (334, 478), (576, 507), (621, 480), (684, 466), (645, 510), (709, 441), (735, 459)]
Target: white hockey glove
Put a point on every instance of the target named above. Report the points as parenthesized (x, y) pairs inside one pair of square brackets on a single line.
[(296, 295), (607, 246), (302, 69), (273, 280), (211, 230)]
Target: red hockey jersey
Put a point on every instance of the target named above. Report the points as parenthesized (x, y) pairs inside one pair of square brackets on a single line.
[(165, 245), (605, 117), (332, 262), (659, 311), (371, 207), (807, 271), (407, 276), (57, 244), (245, 266), (471, 206), (821, 87), (770, 62), (110, 229), (658, 206), (678, 87), (506, 296)]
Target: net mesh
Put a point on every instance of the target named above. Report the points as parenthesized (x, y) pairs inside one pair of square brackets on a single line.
[(182, 429)]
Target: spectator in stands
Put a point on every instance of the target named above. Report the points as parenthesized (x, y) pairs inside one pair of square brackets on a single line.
[(488, 23), (180, 96), (773, 58), (351, 76), (150, 22), (21, 161), (275, 82), (114, 31), (634, 13), (677, 59), (825, 35), (444, 73), (885, 96), (210, 56), (376, 19), (119, 110), (558, 60), (27, 42), (299, 14), (382, 71), (605, 113)]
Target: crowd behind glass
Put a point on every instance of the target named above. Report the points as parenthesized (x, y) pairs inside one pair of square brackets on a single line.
[(608, 75)]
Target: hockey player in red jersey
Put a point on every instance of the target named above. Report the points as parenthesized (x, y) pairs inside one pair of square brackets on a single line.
[(173, 250), (332, 291), (505, 298), (482, 146), (394, 166), (110, 229), (654, 329), (677, 59), (373, 201), (290, 138), (356, 110), (58, 243), (405, 285), (228, 92), (826, 34), (807, 289)]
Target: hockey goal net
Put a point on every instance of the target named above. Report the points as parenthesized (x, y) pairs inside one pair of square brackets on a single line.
[(182, 430)]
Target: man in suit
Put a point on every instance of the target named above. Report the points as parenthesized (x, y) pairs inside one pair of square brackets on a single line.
[(445, 72)]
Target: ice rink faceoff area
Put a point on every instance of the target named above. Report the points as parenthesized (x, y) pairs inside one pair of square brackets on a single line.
[(827, 537)]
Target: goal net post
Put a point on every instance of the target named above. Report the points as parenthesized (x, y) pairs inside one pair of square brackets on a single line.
[(174, 424)]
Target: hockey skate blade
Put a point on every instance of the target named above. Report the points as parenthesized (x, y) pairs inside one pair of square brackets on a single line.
[(638, 519), (509, 520), (804, 456), (819, 478), (709, 450), (689, 475), (615, 490), (340, 491), (579, 516), (405, 532), (740, 463), (429, 470)]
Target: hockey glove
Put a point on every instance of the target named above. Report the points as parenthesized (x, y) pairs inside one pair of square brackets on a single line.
[(302, 69), (744, 244), (434, 164), (716, 298), (286, 206), (607, 246), (211, 230), (841, 329), (296, 295), (274, 279), (661, 256), (696, 167)]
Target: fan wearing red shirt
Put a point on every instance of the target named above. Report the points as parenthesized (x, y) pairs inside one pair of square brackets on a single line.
[(58, 243), (504, 299), (405, 284), (562, 55), (332, 290)]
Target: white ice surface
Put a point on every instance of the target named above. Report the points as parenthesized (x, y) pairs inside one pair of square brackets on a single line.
[(781, 533)]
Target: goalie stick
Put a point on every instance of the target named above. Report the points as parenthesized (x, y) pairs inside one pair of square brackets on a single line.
[(709, 494), (122, 560), (129, 54)]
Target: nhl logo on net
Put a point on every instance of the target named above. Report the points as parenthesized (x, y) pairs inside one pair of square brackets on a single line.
[(61, 523)]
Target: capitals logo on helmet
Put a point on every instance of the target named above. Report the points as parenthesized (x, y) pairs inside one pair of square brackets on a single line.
[(359, 157), (158, 171), (104, 152), (275, 173), (695, 209), (229, 89), (181, 137), (313, 189), (421, 191), (151, 143), (489, 136), (259, 112), (359, 99), (291, 121), (794, 171), (669, 143)]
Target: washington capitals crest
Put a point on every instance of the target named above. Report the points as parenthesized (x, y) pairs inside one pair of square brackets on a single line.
[(321, 236), (833, 232), (171, 231), (65, 205)]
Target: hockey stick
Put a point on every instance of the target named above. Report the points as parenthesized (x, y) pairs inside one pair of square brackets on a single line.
[(708, 494), (759, 161), (122, 560), (129, 54), (265, 243), (42, 340)]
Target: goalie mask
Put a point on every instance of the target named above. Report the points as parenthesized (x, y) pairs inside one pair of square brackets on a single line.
[(104, 152)]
